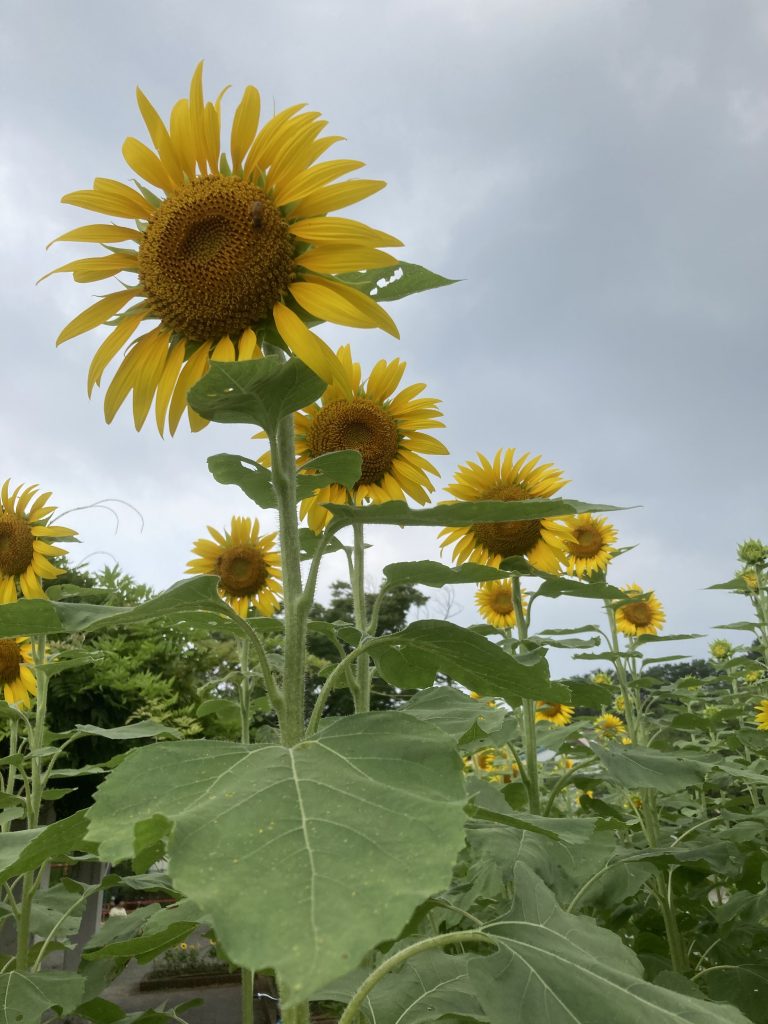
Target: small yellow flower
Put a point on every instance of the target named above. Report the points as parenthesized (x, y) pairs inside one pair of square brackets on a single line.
[(609, 726), (753, 676), (619, 704), (626, 741), (761, 718), (750, 579), (183, 946), (590, 548), (602, 679), (555, 714), (640, 618), (494, 602), (720, 650)]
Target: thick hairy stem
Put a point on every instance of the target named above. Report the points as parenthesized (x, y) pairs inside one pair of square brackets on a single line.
[(363, 692), (433, 942), (291, 715), (529, 710)]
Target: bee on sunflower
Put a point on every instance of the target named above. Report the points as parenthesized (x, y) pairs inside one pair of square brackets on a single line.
[(228, 250)]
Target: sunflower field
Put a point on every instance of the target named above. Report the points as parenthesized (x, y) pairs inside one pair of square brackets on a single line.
[(498, 846)]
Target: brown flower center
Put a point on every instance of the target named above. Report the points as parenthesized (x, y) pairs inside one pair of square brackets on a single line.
[(501, 602), (10, 659), (360, 424), (242, 571), (549, 710), (506, 539), (16, 545), (639, 614), (587, 542), (215, 258)]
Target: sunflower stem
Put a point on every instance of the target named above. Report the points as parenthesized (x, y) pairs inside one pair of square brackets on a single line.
[(621, 675), (529, 709), (363, 693), (246, 992), (245, 695), (291, 715)]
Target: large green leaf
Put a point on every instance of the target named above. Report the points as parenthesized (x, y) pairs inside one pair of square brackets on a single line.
[(428, 987), (745, 985), (389, 283), (301, 858), (257, 391), (436, 574), (558, 968), (146, 938), (134, 731), (558, 586), (412, 658), (28, 849), (464, 513), (643, 768), (343, 467), (185, 599), (452, 711), (24, 998)]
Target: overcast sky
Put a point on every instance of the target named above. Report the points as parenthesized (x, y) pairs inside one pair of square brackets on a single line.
[(594, 170)]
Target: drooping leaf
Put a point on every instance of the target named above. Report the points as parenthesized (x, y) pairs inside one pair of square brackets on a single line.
[(558, 968), (28, 849), (452, 711), (342, 467), (292, 817), (256, 391), (253, 479), (436, 574), (413, 657), (464, 513), (134, 731)]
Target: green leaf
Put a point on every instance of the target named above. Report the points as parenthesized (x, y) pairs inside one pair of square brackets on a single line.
[(589, 695), (744, 985), (463, 513), (343, 467), (745, 626), (226, 711), (24, 998), (29, 849), (253, 479), (641, 767), (558, 968), (390, 283), (134, 731), (259, 834), (256, 391), (452, 711), (651, 638), (435, 574), (153, 934), (559, 586), (430, 646)]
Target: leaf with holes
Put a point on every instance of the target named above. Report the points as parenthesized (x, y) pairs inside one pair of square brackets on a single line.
[(342, 827)]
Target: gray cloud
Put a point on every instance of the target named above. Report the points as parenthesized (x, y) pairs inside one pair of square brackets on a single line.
[(594, 172)]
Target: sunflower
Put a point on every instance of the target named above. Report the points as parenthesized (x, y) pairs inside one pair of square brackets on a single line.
[(750, 579), (640, 617), (247, 565), (25, 535), (602, 679), (494, 602), (761, 718), (609, 726), (17, 678), (555, 714), (541, 541), (618, 703), (753, 676), (721, 650), (590, 549), (387, 428), (227, 251)]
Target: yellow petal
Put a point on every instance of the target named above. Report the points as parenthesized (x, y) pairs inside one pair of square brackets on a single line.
[(340, 259), (191, 373), (96, 314), (315, 177), (248, 346), (146, 164), (181, 137), (224, 351), (340, 230), (212, 135), (335, 197), (126, 377), (111, 346), (342, 304), (104, 233), (197, 119), (161, 138), (264, 145), (245, 125), (96, 268), (310, 349), (170, 375), (148, 377), (113, 205)]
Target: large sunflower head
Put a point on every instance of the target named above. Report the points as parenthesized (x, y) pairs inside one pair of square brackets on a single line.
[(388, 427), (16, 676), (640, 617), (508, 478), (246, 563), (761, 718), (555, 714), (590, 549), (494, 602), (25, 541), (222, 251)]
